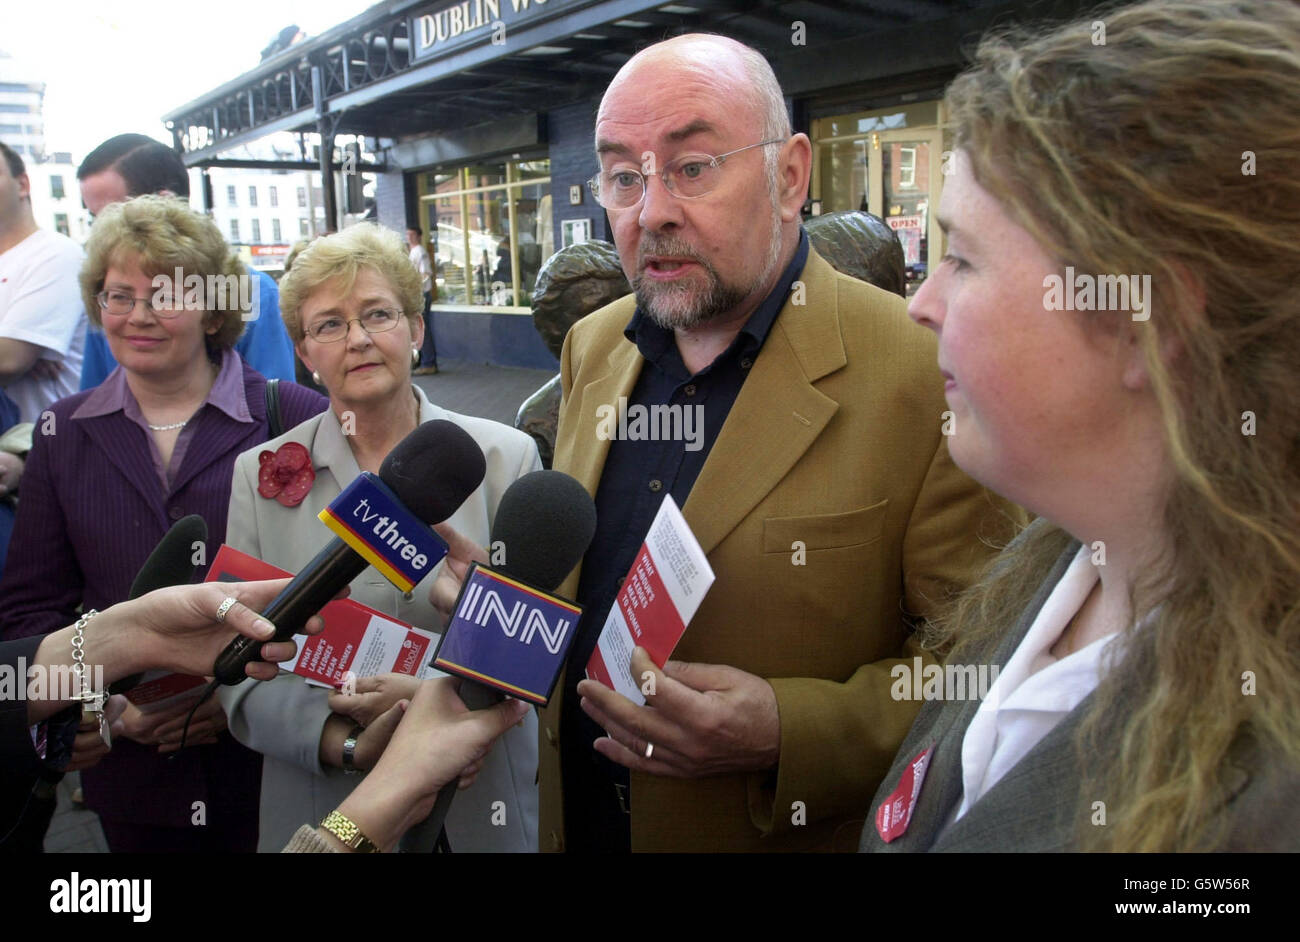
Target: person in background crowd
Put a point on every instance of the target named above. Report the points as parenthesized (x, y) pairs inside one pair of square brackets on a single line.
[(353, 303), (131, 165), (119, 464), (420, 259), (1147, 624), (818, 483), (42, 324)]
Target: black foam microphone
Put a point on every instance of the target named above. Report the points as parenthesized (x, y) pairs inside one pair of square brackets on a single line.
[(431, 472), (544, 523), (171, 563)]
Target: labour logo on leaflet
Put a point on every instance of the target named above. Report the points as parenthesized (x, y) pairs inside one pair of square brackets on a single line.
[(369, 517)]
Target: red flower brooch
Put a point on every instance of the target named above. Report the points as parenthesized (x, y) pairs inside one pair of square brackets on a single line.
[(286, 475)]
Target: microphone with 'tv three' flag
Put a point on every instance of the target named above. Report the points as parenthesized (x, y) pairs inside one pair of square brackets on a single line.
[(507, 634), (380, 521)]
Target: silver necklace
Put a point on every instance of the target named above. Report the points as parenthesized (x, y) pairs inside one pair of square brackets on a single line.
[(168, 428)]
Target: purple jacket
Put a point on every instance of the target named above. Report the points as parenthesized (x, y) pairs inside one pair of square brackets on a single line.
[(91, 509)]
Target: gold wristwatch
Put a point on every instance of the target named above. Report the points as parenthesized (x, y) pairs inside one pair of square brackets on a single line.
[(345, 830)]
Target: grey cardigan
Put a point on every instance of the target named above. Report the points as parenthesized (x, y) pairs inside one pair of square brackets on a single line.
[(1036, 806)]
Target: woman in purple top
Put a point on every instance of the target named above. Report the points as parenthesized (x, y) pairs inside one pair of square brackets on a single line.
[(112, 468)]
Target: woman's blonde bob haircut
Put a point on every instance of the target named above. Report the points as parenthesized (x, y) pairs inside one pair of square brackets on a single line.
[(162, 235), (337, 258)]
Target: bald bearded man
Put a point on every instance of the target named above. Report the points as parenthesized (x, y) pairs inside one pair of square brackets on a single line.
[(820, 486)]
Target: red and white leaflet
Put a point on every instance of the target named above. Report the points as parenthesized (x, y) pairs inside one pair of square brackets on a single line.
[(364, 646), (357, 638), (660, 595), (161, 689)]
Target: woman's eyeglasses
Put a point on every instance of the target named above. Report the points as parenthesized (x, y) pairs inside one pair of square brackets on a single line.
[(333, 329), (120, 303)]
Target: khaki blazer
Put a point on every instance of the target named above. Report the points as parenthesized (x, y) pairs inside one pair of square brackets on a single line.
[(832, 516), (283, 718)]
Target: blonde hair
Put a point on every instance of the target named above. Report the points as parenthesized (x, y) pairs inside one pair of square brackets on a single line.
[(161, 234), (1169, 149), (340, 256), (294, 253)]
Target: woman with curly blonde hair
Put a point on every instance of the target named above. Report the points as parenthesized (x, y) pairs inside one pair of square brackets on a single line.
[(112, 468), (1119, 326)]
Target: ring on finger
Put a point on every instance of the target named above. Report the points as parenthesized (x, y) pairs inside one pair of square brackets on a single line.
[(224, 608), (649, 750)]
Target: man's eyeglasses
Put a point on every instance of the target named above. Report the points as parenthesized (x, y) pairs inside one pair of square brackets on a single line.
[(688, 178), (120, 303), (334, 329)]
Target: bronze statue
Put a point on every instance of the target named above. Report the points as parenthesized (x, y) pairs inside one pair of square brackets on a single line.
[(861, 245), (572, 283)]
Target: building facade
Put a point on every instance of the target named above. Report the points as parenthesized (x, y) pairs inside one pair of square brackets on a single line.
[(56, 199), (483, 112)]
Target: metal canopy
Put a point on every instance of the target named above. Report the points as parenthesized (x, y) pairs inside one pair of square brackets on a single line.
[(369, 77)]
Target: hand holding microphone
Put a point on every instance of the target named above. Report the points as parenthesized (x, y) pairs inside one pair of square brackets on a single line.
[(173, 629), (437, 738)]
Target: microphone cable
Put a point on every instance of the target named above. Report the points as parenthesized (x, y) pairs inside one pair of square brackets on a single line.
[(185, 730)]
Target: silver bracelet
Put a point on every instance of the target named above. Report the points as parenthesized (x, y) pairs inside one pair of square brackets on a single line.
[(92, 701), (78, 650)]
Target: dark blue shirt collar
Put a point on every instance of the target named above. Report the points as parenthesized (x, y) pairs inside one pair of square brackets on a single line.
[(654, 341)]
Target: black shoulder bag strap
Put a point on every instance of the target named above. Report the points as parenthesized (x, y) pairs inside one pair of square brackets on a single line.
[(275, 424)]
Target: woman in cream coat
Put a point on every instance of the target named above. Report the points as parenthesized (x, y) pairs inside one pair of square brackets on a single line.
[(352, 303)]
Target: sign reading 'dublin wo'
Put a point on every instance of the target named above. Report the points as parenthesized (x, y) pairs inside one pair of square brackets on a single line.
[(369, 518), (507, 635), (441, 27)]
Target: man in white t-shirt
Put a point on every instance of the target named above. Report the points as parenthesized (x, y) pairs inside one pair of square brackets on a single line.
[(420, 259), (42, 320)]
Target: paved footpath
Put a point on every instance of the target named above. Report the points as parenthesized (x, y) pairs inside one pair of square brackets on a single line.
[(491, 392)]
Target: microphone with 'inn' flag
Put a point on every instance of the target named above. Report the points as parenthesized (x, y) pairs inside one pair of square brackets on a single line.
[(507, 634), (380, 521), (171, 563)]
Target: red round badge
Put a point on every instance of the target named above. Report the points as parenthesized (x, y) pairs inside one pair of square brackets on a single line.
[(285, 475)]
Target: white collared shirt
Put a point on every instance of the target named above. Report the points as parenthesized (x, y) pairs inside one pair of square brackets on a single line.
[(1034, 691)]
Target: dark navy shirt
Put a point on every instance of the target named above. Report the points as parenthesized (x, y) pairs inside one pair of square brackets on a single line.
[(640, 470)]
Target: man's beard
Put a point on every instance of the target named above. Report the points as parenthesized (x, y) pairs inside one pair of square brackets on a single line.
[(682, 305)]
